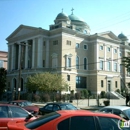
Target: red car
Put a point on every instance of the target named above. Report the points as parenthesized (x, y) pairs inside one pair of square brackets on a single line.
[(70, 120), (10, 112), (26, 105)]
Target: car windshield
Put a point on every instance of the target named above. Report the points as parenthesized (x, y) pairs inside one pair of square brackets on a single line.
[(67, 107), (127, 112), (42, 120), (27, 103)]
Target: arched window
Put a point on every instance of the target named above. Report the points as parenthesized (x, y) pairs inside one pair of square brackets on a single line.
[(77, 62)]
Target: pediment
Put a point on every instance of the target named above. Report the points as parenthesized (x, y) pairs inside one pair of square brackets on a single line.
[(22, 30), (109, 35)]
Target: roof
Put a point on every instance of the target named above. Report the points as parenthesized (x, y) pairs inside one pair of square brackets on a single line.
[(86, 112), (118, 107)]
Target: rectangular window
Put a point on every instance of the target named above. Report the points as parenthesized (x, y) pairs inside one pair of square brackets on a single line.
[(108, 49), (108, 65), (68, 42), (102, 83), (55, 42), (115, 66), (1, 63), (85, 47), (44, 43), (101, 65), (101, 47), (115, 50), (81, 82), (116, 85), (77, 45), (43, 63), (69, 62), (68, 77)]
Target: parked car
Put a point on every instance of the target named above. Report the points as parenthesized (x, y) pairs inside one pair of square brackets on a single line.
[(10, 112), (26, 105), (56, 106), (122, 111), (70, 120)]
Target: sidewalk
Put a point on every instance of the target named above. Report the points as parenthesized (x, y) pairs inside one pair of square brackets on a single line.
[(91, 104)]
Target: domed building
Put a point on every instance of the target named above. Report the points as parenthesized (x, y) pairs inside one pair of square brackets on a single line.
[(71, 21), (86, 62)]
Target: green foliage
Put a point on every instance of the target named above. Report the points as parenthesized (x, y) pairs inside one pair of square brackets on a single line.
[(3, 74), (103, 94), (46, 82), (118, 90), (126, 63)]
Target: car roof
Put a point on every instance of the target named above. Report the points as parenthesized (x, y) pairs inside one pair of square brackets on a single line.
[(19, 101), (5, 104), (59, 103), (86, 113), (117, 107)]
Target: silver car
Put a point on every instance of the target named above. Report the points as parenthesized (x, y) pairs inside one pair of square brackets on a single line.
[(122, 111)]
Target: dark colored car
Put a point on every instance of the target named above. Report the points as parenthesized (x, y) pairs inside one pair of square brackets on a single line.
[(10, 112), (26, 105), (71, 120), (56, 106)]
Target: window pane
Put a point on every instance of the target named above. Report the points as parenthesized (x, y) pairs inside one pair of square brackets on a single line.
[(81, 82), (3, 112), (82, 123), (85, 63), (77, 62), (64, 125), (101, 65), (1, 63), (18, 112), (109, 123)]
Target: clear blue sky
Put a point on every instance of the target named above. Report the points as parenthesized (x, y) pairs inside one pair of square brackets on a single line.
[(100, 15)]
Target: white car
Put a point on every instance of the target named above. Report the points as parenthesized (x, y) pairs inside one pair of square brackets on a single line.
[(122, 111)]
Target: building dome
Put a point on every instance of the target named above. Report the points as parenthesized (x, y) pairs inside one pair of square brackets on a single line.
[(122, 37), (61, 17)]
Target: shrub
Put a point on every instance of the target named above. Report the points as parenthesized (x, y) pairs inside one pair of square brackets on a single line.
[(103, 94), (106, 102)]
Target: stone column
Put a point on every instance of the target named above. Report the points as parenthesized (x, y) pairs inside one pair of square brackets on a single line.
[(33, 53), (26, 55), (12, 57), (39, 51), (119, 60), (112, 58), (47, 54), (9, 58), (19, 58), (105, 52), (96, 55)]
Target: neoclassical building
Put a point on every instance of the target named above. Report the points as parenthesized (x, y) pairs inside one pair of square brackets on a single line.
[(86, 61)]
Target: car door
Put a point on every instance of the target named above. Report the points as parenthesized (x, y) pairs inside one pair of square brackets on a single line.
[(48, 108), (4, 117)]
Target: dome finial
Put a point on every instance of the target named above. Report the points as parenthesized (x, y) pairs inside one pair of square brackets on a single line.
[(72, 10), (62, 10)]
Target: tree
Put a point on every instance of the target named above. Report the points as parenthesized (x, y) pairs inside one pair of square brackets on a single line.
[(46, 82), (3, 73), (126, 63)]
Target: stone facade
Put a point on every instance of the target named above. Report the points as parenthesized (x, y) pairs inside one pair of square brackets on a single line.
[(3, 59), (90, 61)]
